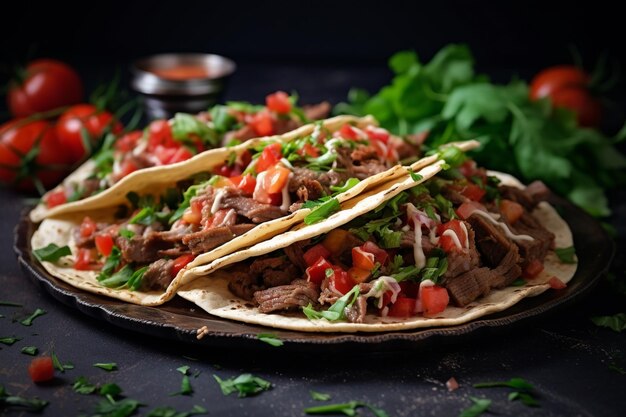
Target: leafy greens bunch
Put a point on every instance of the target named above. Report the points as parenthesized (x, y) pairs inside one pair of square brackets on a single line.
[(446, 99)]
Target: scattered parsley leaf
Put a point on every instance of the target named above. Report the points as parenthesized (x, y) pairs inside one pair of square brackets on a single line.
[(30, 404), (336, 311), (319, 396), (415, 176), (127, 234), (58, 365), (615, 367), (566, 255), (51, 253), (348, 409), (185, 387), (82, 386), (480, 406), (183, 370), (322, 211), (9, 340), (122, 408), (515, 383), (520, 282), (170, 412), (244, 384), (9, 304), (526, 399), (270, 339), (616, 322), (29, 320), (112, 366), (30, 350), (110, 389)]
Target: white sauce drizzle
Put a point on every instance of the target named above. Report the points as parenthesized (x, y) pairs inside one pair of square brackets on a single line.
[(219, 194), (418, 251), (433, 237), (286, 200), (503, 226), (454, 238), (258, 188), (466, 234), (380, 286), (230, 218), (286, 163)]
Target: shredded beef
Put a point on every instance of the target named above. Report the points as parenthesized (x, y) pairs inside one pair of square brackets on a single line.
[(361, 163), (299, 293), (242, 134), (275, 271), (142, 248), (543, 239), (243, 284), (158, 275), (465, 288), (317, 111), (295, 253), (284, 125), (356, 312), (462, 261), (208, 239), (491, 241), (528, 197), (250, 208)]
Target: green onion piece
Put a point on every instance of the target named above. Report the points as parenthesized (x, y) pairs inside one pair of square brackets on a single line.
[(51, 253)]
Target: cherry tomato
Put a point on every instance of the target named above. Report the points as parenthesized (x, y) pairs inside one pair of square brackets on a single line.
[(31, 150), (41, 369), (316, 272), (47, 84), (278, 102), (435, 299), (181, 262), (312, 254), (269, 157), (568, 87), (83, 117), (104, 244)]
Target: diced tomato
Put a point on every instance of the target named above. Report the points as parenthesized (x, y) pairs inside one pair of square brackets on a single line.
[(127, 142), (362, 259), (341, 280), (193, 215), (336, 240), (220, 182), (348, 132), (41, 369), (466, 209), (377, 133), (55, 198), (87, 227), (382, 150), (278, 102), (359, 275), (245, 158), (262, 123), (104, 244), (181, 154), (409, 288), (314, 253), (557, 284), (473, 192), (435, 299), (447, 242), (533, 269), (226, 170), (468, 168), (317, 271), (380, 255), (276, 199), (511, 210), (127, 167), (85, 260), (309, 150), (269, 157), (246, 183), (276, 178), (160, 133), (403, 307), (181, 262)]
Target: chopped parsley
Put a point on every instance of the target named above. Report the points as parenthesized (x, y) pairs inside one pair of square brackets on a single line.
[(29, 404), (351, 182), (480, 406), (82, 386), (348, 409), (51, 253), (522, 390), (111, 366), (62, 367), (185, 125), (10, 304), (29, 320), (244, 385), (270, 339), (322, 211), (170, 412), (319, 396), (336, 311), (9, 340), (29, 350), (566, 255), (127, 234), (616, 322), (187, 196), (185, 385), (111, 264)]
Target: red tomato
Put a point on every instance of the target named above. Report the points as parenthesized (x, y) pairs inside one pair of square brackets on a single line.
[(568, 87), (533, 269), (104, 244), (276, 178), (362, 259), (160, 133), (193, 215), (30, 152), (41, 369), (380, 255), (262, 123), (511, 210), (181, 262), (348, 132), (403, 307), (435, 299), (410, 289), (278, 102), (85, 260), (377, 133), (316, 272), (87, 117), (55, 198), (47, 84), (557, 284), (127, 167), (359, 275), (247, 184), (312, 255), (309, 150), (87, 227), (473, 192), (447, 242), (269, 157), (127, 142), (341, 280), (465, 210)]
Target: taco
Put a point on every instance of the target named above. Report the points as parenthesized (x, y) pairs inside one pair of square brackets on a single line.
[(137, 240), (166, 142), (456, 247)]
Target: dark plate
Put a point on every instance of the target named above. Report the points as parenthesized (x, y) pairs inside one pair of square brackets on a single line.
[(179, 319)]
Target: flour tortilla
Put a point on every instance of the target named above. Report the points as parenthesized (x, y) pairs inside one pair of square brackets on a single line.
[(211, 293)]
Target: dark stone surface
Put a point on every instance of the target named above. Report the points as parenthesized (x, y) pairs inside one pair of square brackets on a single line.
[(562, 353)]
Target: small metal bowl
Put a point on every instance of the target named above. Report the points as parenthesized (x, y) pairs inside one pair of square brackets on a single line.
[(166, 91)]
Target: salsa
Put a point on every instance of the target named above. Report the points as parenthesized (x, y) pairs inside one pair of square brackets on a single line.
[(182, 72)]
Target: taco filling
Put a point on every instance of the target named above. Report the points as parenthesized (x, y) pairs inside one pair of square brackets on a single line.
[(450, 240), (154, 236), (166, 142)]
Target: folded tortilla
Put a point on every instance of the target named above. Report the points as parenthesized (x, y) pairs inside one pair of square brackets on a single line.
[(210, 291)]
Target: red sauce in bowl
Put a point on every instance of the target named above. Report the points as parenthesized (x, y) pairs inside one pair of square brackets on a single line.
[(182, 72)]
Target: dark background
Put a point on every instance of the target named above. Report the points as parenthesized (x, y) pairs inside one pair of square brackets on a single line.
[(507, 38)]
